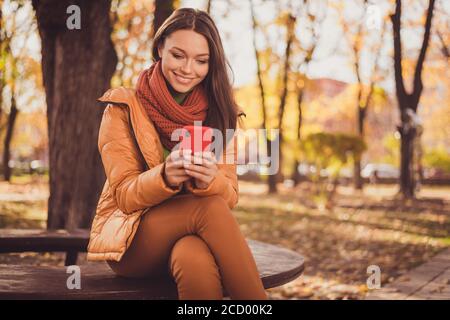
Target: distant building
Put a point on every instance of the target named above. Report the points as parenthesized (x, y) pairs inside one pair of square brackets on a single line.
[(323, 86)]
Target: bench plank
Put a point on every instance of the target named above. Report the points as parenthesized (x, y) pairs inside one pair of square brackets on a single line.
[(37, 240), (97, 282)]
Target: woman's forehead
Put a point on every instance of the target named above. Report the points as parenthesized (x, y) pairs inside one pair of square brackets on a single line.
[(188, 41)]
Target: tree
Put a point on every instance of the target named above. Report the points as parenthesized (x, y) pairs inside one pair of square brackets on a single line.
[(259, 73), (77, 66), (163, 9), (356, 40), (328, 153), (408, 102), (133, 38), (287, 20), (8, 137), (290, 21), (314, 20), (133, 34), (14, 69)]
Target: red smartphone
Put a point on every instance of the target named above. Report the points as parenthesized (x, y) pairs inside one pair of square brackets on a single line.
[(196, 138)]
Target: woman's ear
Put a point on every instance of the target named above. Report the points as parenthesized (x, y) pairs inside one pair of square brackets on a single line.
[(160, 48)]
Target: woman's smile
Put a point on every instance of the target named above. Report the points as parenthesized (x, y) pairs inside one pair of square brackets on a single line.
[(182, 80)]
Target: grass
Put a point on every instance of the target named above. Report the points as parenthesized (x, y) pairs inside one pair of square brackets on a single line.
[(363, 229)]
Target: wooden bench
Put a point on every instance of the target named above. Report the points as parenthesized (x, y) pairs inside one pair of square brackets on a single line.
[(276, 265), (37, 240)]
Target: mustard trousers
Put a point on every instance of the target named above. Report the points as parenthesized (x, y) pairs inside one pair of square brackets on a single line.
[(197, 241)]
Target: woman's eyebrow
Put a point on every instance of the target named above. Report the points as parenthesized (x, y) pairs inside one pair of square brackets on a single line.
[(202, 54)]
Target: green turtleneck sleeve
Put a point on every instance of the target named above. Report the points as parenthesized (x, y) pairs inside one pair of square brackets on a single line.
[(165, 153)]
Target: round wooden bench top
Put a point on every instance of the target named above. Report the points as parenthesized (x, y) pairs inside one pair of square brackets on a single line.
[(276, 266)]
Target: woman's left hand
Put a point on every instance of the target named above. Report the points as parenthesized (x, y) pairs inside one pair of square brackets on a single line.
[(202, 167)]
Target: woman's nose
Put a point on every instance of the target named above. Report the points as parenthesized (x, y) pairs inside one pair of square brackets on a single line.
[(187, 67)]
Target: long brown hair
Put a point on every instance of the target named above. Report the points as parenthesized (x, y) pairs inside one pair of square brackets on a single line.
[(223, 110)]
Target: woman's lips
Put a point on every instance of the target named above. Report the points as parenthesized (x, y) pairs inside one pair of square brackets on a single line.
[(181, 79)]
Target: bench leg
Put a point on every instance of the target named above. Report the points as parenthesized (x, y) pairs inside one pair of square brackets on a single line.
[(71, 258)]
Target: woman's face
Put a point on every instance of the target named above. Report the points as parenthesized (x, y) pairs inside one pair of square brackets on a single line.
[(185, 59)]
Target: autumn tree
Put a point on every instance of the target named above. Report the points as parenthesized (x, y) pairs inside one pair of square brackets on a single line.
[(286, 19), (78, 60), (441, 27), (408, 101), (289, 20), (134, 26), (259, 74), (132, 22), (14, 70), (312, 17), (358, 34), (163, 9)]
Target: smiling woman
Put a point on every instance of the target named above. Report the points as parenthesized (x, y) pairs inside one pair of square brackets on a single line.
[(174, 218)]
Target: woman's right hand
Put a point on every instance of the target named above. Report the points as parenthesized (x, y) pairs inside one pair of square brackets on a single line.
[(174, 173)]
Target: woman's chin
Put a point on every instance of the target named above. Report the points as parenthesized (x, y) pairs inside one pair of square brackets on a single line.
[(182, 89)]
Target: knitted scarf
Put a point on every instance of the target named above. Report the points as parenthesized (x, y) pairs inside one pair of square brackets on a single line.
[(166, 114)]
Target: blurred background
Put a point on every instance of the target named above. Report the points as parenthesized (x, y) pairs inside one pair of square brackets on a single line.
[(359, 91)]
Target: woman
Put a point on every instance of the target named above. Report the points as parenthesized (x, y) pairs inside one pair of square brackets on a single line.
[(162, 211)]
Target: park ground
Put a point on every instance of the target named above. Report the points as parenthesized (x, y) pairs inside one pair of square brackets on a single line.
[(363, 228)]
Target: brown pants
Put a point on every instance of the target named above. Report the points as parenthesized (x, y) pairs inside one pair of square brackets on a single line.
[(197, 241)]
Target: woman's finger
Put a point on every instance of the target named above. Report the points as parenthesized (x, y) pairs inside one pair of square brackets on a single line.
[(177, 154), (177, 172), (175, 164), (199, 176), (210, 156), (206, 155), (198, 168), (202, 161)]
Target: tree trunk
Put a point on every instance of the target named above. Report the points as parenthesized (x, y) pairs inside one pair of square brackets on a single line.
[(274, 178), (163, 9), (357, 179), (3, 44), (407, 183), (295, 174), (77, 67), (272, 183), (8, 137)]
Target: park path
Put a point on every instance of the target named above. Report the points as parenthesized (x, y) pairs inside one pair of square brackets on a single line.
[(429, 281)]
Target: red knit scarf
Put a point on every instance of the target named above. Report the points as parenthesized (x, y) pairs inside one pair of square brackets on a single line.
[(166, 114)]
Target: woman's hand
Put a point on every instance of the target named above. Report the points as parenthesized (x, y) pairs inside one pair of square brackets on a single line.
[(174, 173), (202, 167)]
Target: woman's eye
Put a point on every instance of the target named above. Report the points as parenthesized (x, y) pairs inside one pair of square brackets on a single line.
[(176, 56)]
